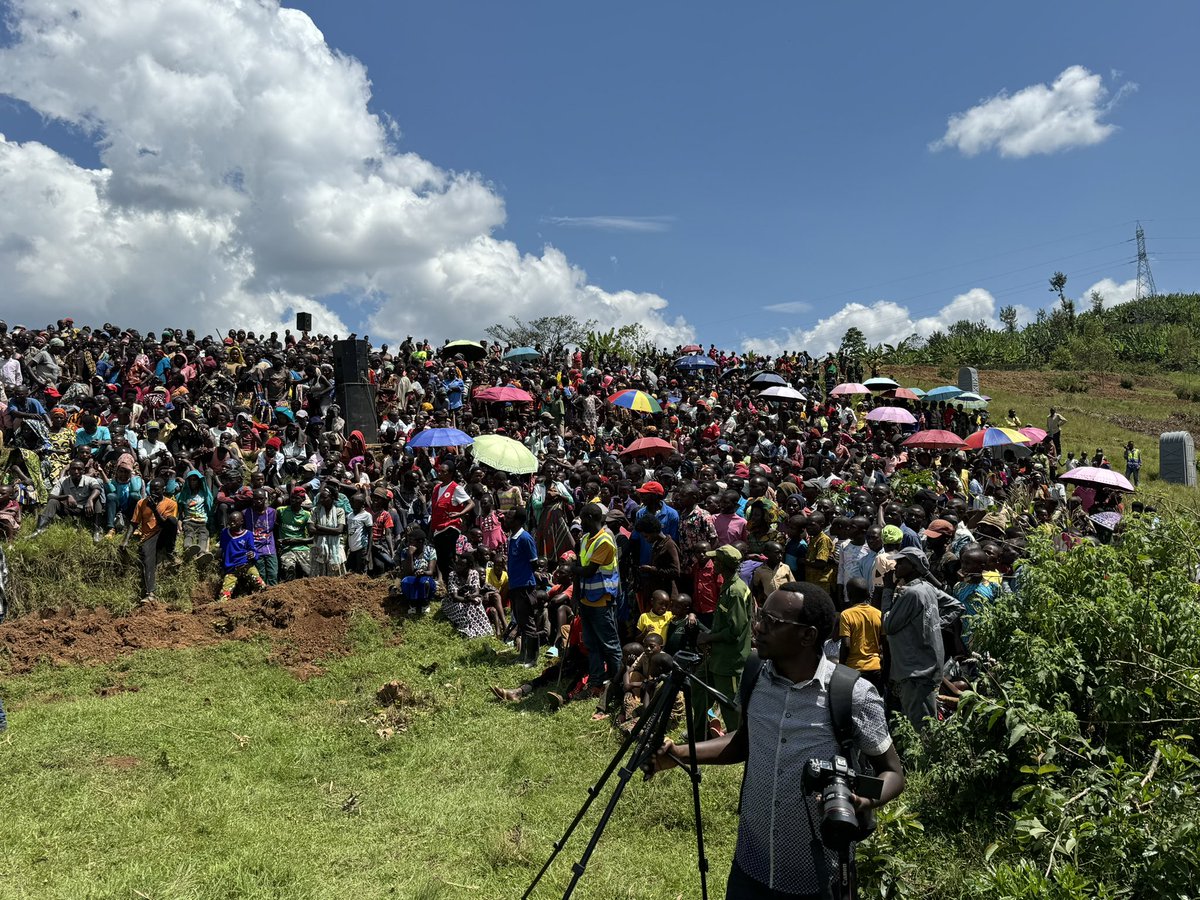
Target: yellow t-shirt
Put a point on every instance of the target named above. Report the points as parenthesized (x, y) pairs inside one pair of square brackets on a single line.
[(822, 548), (498, 583), (861, 625), (648, 621)]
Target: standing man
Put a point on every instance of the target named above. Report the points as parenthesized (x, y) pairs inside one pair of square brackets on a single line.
[(912, 621), (727, 642), (788, 722), (522, 554), (1133, 464), (156, 518), (1054, 423), (451, 503), (600, 586)]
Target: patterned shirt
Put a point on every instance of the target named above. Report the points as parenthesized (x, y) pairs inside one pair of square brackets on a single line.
[(694, 528), (788, 725)]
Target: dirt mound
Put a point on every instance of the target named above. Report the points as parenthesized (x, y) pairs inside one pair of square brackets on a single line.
[(306, 620)]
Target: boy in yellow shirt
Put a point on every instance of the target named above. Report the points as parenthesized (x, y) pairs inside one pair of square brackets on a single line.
[(860, 628), (659, 617)]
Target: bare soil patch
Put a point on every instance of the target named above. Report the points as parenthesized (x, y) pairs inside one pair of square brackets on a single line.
[(306, 620)]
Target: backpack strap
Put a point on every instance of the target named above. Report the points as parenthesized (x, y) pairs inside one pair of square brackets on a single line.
[(841, 705), (750, 672)]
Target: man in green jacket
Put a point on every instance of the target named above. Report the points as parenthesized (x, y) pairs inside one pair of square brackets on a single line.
[(727, 642)]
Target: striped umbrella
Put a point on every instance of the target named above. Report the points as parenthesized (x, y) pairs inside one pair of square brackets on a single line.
[(971, 400), (995, 437), (638, 401)]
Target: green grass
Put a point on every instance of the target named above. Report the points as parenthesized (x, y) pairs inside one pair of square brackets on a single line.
[(243, 782)]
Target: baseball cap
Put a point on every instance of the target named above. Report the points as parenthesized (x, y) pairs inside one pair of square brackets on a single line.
[(892, 534), (939, 528), (915, 556), (728, 551), (153, 426), (653, 488)]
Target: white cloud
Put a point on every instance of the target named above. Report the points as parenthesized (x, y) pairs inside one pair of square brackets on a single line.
[(614, 223), (243, 173), (1114, 294), (1037, 119), (883, 322), (792, 306)]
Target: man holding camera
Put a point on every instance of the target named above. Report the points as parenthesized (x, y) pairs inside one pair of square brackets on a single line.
[(786, 722)]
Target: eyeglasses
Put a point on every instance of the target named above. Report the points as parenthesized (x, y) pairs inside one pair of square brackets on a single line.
[(767, 622)]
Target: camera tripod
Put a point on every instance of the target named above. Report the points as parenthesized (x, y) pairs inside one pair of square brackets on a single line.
[(646, 738)]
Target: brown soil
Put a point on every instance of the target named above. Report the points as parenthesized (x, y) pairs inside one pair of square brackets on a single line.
[(305, 620)]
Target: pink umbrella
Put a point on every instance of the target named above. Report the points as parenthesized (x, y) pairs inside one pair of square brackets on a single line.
[(1092, 476), (503, 395), (1035, 435), (901, 394), (935, 439), (848, 389), (891, 414)]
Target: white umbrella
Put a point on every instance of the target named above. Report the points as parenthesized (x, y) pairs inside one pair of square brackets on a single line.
[(781, 392)]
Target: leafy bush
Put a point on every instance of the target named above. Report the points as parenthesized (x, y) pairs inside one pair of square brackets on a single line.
[(1072, 759), (1070, 383), (1127, 383)]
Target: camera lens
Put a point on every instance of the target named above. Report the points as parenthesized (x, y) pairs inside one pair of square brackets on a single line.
[(839, 822)]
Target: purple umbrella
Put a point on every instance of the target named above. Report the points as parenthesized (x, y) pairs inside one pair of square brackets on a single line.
[(891, 414), (1093, 476)]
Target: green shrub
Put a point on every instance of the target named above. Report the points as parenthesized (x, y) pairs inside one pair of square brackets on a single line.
[(1127, 383), (1070, 383)]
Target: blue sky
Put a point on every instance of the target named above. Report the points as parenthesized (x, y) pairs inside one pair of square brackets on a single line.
[(780, 155)]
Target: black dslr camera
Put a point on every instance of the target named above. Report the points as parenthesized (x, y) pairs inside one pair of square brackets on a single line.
[(836, 782)]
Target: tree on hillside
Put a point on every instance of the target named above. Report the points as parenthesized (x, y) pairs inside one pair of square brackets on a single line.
[(1058, 285), (854, 344), (1008, 317), (547, 332), (1097, 299)]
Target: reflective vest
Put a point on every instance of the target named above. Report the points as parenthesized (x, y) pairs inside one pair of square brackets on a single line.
[(605, 582)]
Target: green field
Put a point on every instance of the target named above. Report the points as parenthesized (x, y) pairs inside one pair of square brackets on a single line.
[(214, 773)]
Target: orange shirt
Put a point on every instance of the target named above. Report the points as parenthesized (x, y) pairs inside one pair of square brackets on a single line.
[(144, 519)]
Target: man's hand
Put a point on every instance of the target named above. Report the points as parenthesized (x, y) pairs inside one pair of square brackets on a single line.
[(861, 804), (667, 757), (71, 502)]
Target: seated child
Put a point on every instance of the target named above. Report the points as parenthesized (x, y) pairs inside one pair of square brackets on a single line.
[(495, 588), (237, 558), (463, 605)]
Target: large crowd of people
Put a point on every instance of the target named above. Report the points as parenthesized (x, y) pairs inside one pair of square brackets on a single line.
[(779, 522)]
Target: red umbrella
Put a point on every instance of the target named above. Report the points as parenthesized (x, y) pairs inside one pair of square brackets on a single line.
[(693, 348), (648, 447), (503, 395), (935, 439), (901, 394)]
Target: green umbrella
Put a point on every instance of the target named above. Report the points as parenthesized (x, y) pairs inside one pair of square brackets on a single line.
[(505, 454)]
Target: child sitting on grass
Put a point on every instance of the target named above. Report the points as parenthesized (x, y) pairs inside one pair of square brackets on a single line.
[(463, 605), (657, 619), (495, 589), (237, 558)]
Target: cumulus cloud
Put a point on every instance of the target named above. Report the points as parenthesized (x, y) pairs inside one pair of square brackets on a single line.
[(1037, 119), (1114, 294), (882, 322), (243, 175)]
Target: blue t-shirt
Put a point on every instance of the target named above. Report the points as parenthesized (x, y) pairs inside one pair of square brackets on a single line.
[(29, 406), (522, 553), (82, 438)]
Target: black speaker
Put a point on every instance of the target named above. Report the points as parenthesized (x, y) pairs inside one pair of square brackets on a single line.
[(303, 322), (352, 391)]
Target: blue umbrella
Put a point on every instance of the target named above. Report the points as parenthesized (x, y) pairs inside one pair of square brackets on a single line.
[(441, 437), (945, 392), (695, 362), (522, 354)]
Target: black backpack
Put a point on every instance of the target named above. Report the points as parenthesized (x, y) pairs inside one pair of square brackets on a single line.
[(841, 703)]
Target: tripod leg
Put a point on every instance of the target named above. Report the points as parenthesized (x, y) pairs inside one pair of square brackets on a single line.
[(659, 709), (694, 772), (594, 791)]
